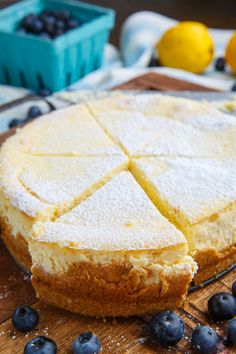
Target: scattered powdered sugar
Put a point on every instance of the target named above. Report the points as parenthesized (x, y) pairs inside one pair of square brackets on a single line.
[(193, 186)]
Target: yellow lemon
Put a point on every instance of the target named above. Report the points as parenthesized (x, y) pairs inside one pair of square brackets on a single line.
[(186, 46), (230, 53)]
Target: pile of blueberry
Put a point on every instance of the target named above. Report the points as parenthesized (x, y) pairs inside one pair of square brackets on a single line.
[(26, 318), (166, 328), (48, 24), (220, 65), (33, 112)]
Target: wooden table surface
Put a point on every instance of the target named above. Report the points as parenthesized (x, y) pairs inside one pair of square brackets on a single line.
[(214, 13), (116, 335)]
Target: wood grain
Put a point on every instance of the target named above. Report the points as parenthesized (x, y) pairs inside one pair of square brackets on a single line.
[(117, 336), (154, 81)]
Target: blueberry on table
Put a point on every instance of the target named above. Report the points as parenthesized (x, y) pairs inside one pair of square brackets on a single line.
[(86, 343), (204, 340), (34, 112), (72, 23), (233, 88), (222, 306), (25, 318), (154, 62), (234, 288), (14, 123), (167, 327), (40, 345), (44, 92), (220, 64), (231, 332)]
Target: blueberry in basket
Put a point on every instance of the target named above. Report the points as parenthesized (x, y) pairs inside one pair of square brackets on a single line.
[(48, 24)]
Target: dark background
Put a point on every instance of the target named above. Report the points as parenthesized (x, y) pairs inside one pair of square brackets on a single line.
[(214, 13)]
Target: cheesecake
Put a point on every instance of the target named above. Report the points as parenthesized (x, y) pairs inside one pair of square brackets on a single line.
[(113, 254), (199, 197), (153, 125), (41, 187), (116, 205), (67, 132)]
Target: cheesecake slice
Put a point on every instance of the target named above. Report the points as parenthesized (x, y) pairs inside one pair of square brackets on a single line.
[(42, 187), (166, 126), (114, 254), (199, 197), (70, 131)]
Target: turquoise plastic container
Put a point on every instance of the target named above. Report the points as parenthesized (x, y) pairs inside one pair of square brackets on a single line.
[(29, 61)]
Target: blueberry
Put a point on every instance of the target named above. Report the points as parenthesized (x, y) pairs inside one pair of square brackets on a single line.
[(50, 29), (231, 332), (40, 345), (37, 26), (154, 62), (48, 19), (204, 340), (167, 327), (44, 92), (86, 343), (34, 112), (28, 21), (72, 23), (60, 25), (220, 64), (222, 306), (14, 123), (233, 88), (25, 318), (234, 288)]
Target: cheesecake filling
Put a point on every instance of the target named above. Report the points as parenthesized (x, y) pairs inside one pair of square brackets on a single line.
[(19, 223), (217, 231), (54, 259)]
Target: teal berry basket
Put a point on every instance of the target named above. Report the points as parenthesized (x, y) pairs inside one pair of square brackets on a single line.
[(32, 62)]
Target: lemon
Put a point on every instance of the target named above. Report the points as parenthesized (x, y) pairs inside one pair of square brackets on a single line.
[(186, 46), (230, 53)]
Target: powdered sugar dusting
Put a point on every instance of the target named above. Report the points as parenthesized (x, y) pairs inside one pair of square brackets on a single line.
[(170, 126), (69, 131), (196, 187)]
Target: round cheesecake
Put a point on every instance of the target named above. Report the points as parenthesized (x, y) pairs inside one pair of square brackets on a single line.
[(116, 205)]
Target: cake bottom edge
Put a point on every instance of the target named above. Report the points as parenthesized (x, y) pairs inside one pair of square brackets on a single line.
[(108, 301), (212, 262)]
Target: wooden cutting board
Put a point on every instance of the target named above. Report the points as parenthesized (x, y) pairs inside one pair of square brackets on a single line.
[(116, 335)]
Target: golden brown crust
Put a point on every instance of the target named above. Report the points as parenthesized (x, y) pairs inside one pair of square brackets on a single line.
[(16, 245), (211, 262), (82, 290)]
